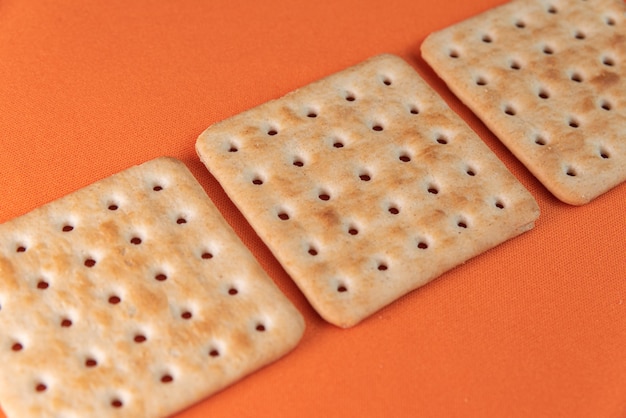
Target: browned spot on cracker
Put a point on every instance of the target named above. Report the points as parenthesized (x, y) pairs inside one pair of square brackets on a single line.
[(617, 41), (605, 80), (241, 340), (288, 115), (7, 271), (329, 217), (108, 230), (587, 104)]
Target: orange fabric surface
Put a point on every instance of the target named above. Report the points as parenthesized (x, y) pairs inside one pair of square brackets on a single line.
[(534, 327)]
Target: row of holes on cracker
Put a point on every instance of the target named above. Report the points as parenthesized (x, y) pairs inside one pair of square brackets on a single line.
[(540, 139)]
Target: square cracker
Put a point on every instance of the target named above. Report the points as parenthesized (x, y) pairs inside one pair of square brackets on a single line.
[(548, 77), (131, 297), (365, 186)]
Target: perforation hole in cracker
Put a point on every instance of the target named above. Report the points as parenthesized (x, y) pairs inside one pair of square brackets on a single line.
[(610, 20), (91, 362), (386, 80), (515, 64), (214, 352), (604, 153), (569, 49), (422, 244), (365, 175), (338, 143), (377, 176), (481, 81), (115, 300), (394, 210), (540, 140), (606, 105)]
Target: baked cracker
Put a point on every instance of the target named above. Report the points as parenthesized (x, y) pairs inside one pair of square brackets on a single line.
[(548, 77), (365, 185), (131, 297)]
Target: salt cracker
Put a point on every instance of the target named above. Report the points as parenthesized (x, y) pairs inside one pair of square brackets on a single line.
[(548, 77), (132, 297), (365, 185)]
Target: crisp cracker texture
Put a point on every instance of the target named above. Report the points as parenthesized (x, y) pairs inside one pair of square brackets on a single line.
[(365, 186), (132, 297), (548, 77)]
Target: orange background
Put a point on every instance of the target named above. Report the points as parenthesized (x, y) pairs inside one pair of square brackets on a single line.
[(534, 327)]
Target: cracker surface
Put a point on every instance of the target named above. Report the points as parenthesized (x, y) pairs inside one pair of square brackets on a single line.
[(548, 77), (365, 185), (132, 297)]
